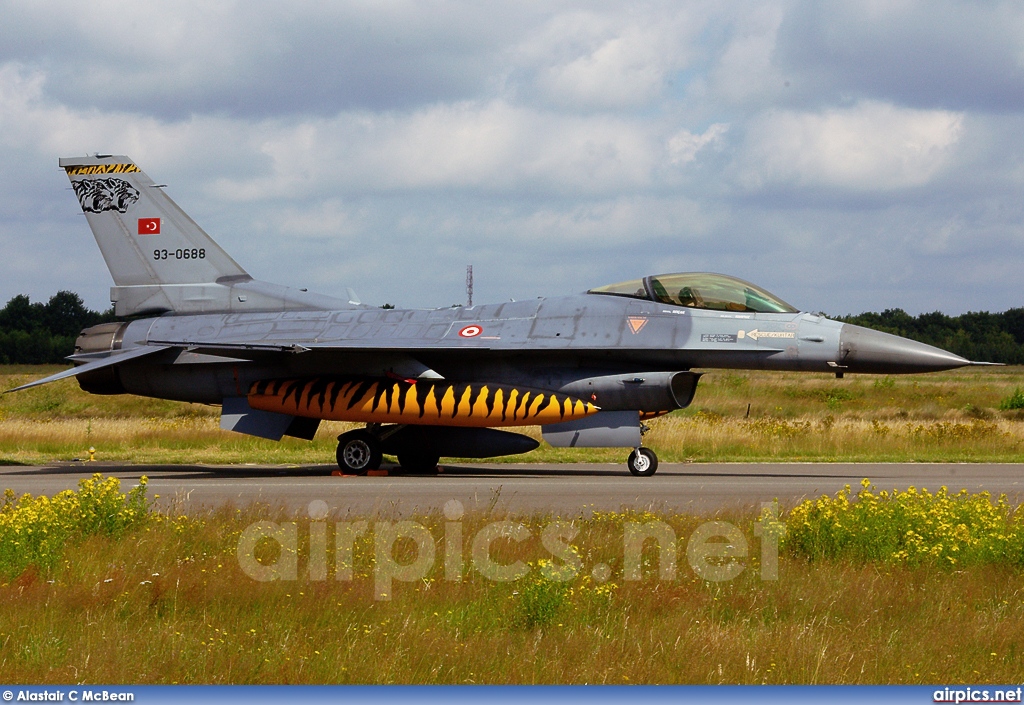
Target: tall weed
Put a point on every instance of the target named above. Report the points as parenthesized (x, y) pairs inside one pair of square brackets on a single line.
[(911, 527), (1014, 401), (36, 530)]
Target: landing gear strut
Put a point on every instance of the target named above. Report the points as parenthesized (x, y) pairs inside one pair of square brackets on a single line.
[(359, 452), (642, 462)]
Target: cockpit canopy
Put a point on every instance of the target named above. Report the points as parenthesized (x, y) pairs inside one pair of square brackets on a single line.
[(715, 292)]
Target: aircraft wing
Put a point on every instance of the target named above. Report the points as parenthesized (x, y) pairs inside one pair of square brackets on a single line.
[(115, 358)]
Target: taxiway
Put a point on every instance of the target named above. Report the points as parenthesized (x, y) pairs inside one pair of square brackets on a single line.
[(565, 490)]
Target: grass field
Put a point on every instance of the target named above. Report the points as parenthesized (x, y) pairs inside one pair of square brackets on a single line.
[(736, 416), (164, 599)]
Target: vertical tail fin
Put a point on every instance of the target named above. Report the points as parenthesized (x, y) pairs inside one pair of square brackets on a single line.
[(159, 258), (144, 236)]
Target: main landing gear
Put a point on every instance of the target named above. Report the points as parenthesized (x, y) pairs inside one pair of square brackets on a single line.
[(359, 452), (362, 450)]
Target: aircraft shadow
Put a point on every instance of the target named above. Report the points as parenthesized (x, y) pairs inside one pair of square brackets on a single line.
[(176, 472), (187, 472), (549, 471)]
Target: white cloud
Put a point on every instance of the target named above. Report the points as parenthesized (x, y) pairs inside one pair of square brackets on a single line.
[(484, 147), (947, 54), (870, 147), (624, 69), (613, 59), (746, 71), (492, 146), (684, 145), (258, 58)]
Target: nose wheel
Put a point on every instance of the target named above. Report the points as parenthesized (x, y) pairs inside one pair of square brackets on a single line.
[(359, 452), (642, 462)]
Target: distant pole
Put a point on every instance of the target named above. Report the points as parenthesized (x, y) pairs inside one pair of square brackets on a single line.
[(469, 285)]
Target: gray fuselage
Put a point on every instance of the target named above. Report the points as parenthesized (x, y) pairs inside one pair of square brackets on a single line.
[(543, 343)]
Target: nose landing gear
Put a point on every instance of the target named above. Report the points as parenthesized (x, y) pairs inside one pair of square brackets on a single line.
[(642, 462)]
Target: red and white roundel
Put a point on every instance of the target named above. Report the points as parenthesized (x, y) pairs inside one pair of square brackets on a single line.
[(471, 331)]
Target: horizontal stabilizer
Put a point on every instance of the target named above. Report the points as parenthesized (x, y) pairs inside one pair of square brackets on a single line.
[(116, 358), (237, 415)]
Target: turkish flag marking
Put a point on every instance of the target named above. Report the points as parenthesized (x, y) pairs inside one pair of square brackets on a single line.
[(149, 226)]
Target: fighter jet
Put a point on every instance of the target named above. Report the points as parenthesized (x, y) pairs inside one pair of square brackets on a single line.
[(588, 368)]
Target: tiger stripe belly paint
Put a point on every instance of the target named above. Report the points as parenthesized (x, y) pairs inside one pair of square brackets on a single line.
[(429, 402)]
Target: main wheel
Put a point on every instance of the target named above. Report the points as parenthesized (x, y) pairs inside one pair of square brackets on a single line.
[(418, 463), (642, 462), (358, 452)]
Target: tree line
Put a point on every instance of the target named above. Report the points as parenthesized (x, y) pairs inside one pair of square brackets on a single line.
[(37, 333)]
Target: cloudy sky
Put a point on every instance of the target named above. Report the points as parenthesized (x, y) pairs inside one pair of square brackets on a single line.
[(849, 156)]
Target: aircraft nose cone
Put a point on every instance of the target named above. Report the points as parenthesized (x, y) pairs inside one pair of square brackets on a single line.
[(866, 350)]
